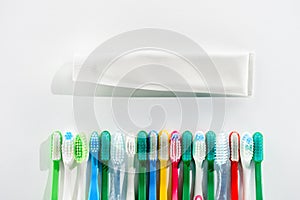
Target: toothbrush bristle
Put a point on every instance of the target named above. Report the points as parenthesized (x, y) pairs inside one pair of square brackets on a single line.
[(247, 147), (80, 148), (153, 145), (118, 149), (142, 146), (258, 147), (175, 146), (163, 145), (222, 149), (211, 145), (56, 145), (130, 146), (234, 146), (199, 147), (94, 143), (187, 139), (105, 139), (68, 147)]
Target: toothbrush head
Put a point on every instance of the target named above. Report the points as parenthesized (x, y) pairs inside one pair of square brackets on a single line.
[(118, 149), (163, 154), (199, 147), (94, 144), (68, 148), (258, 147), (142, 146), (56, 140), (222, 151), (105, 139), (187, 140), (175, 146), (130, 147), (80, 148), (153, 145), (211, 145), (234, 139), (246, 147)]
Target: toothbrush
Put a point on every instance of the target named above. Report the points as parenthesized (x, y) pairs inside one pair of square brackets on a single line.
[(94, 151), (68, 159), (234, 139), (142, 158), (246, 157), (211, 155), (130, 151), (105, 139), (117, 159), (163, 158), (258, 158), (152, 162), (56, 139), (222, 158), (175, 155), (81, 156), (199, 153), (187, 139)]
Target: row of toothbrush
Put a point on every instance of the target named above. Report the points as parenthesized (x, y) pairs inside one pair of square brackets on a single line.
[(148, 156)]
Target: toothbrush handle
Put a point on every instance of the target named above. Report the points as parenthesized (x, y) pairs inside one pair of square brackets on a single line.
[(152, 181), (186, 181), (258, 181), (130, 195), (55, 180), (94, 190), (104, 186), (67, 194), (142, 183), (117, 184), (234, 181), (210, 180), (222, 182), (246, 183), (81, 193), (163, 190), (198, 182), (174, 181)]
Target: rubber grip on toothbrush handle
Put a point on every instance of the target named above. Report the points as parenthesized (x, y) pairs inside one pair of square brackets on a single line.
[(55, 180), (175, 181), (142, 183), (198, 183), (94, 189), (186, 181), (104, 185), (210, 180), (130, 194), (163, 190), (234, 180), (152, 181), (67, 194), (258, 181)]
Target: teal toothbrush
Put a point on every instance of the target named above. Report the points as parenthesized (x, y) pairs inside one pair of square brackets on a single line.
[(94, 151), (142, 158), (258, 158), (105, 139), (211, 155), (56, 140), (187, 139)]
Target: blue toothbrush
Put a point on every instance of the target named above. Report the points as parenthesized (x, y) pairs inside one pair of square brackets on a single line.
[(94, 151), (153, 135)]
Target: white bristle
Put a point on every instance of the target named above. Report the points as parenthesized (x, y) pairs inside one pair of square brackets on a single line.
[(56, 146), (234, 147), (222, 149), (94, 143), (117, 150), (130, 146), (68, 148), (153, 146), (175, 147), (164, 146), (247, 147), (199, 147)]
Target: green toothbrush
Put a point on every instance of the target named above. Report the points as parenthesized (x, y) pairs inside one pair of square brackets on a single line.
[(56, 141), (187, 139), (211, 156), (105, 139), (142, 157), (258, 158)]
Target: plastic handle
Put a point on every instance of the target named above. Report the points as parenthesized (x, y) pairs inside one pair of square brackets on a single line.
[(163, 190), (55, 180), (246, 183), (117, 182), (67, 195), (186, 181), (81, 182), (258, 181), (94, 189), (142, 183), (234, 180), (210, 180), (104, 186), (130, 185), (152, 181), (222, 182), (175, 181), (198, 182)]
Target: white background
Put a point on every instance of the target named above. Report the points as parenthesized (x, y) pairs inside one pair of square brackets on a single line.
[(37, 37)]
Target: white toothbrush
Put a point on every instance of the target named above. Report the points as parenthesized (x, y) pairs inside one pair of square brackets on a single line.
[(68, 160), (130, 151)]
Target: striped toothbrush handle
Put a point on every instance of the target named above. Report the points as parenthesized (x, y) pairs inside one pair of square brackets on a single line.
[(104, 186)]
